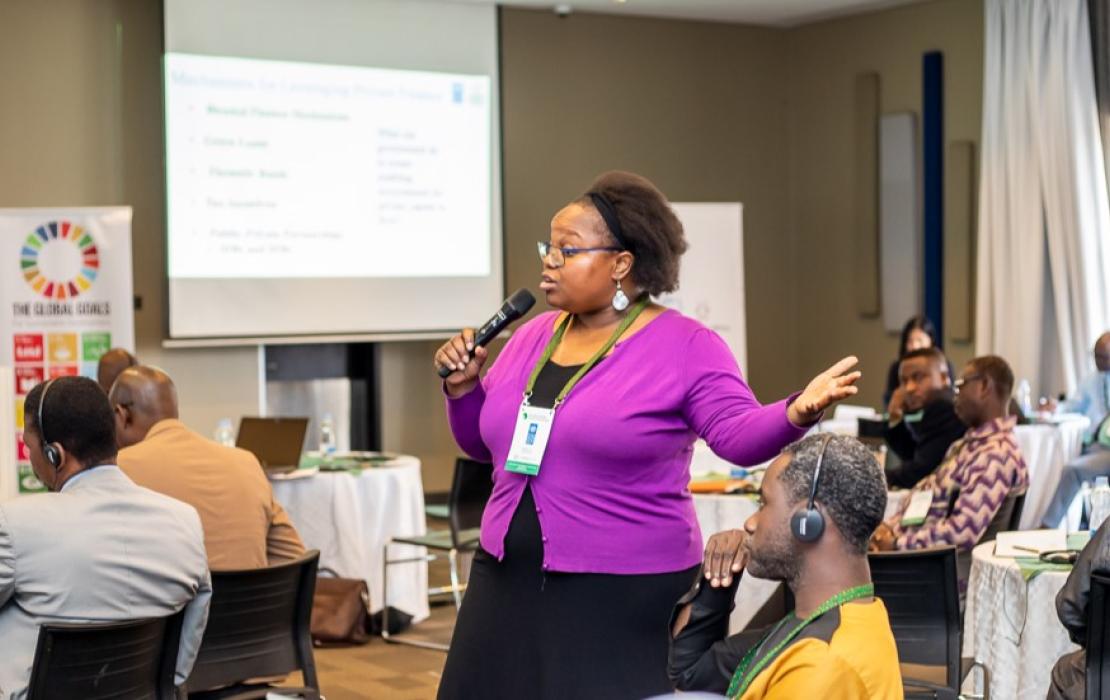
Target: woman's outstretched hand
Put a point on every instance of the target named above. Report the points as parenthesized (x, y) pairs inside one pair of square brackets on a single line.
[(834, 384)]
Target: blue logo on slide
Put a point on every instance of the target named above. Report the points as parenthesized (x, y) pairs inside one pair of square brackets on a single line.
[(457, 93), (531, 440)]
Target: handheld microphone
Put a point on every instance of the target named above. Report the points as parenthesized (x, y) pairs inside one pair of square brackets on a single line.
[(520, 303)]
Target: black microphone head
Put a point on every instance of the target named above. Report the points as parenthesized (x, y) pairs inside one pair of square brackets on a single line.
[(520, 303)]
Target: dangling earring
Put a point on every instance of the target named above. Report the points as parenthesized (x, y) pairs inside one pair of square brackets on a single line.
[(620, 299)]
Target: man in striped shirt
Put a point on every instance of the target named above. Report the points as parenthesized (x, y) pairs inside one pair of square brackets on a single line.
[(979, 471)]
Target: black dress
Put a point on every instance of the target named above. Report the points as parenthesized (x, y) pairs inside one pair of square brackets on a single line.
[(526, 633)]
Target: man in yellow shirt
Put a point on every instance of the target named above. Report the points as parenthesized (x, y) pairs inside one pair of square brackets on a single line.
[(244, 526), (821, 500)]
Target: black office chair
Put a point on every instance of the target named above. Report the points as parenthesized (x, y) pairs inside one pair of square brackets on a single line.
[(471, 486), (1098, 638), (129, 660), (258, 626), (1005, 520), (921, 593)]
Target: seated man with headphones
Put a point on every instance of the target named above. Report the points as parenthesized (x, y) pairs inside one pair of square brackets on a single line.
[(821, 500), (97, 548)]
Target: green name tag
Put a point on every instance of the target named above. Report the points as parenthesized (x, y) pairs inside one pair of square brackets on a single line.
[(914, 417), (918, 510)]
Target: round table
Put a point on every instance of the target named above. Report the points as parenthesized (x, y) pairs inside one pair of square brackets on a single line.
[(1011, 625), (350, 516), (1047, 447)]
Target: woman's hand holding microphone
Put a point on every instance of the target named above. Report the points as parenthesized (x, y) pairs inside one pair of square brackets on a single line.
[(465, 358)]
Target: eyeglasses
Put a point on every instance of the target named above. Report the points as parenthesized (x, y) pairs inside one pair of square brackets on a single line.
[(959, 383), (558, 256)]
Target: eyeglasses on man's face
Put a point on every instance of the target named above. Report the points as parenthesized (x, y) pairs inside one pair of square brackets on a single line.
[(557, 257), (962, 381)]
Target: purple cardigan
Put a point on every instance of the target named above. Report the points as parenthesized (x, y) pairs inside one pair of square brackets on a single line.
[(612, 495)]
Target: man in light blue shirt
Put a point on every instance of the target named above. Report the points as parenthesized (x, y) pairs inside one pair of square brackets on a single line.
[(1093, 401)]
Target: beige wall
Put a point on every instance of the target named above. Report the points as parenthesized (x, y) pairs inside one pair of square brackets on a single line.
[(710, 112), (824, 59), (697, 108), (81, 125)]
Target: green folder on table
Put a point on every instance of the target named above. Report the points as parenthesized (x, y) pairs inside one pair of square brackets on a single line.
[(346, 462)]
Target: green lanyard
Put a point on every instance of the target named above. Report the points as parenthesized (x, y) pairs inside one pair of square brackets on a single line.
[(744, 677), (554, 343)]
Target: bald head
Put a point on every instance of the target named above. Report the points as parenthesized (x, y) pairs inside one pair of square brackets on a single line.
[(141, 396), (111, 364), (1102, 352)]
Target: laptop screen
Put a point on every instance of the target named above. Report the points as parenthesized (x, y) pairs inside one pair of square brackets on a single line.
[(277, 442)]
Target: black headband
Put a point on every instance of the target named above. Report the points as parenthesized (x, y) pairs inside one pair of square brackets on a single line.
[(609, 214)]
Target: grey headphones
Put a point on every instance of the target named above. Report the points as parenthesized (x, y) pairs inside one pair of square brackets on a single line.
[(808, 524), (53, 454)]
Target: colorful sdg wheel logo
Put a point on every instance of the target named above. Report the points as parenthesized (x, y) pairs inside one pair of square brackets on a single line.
[(59, 260)]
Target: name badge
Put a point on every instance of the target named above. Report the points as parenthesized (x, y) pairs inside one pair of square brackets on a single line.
[(533, 429), (920, 503)]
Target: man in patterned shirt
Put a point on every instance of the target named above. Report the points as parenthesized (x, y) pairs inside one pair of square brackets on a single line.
[(980, 470)]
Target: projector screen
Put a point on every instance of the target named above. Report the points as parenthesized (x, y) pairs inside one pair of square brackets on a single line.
[(333, 167)]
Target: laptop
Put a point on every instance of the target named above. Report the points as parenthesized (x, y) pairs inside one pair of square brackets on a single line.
[(276, 442)]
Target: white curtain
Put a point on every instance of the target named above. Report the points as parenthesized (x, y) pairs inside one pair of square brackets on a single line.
[(1044, 214)]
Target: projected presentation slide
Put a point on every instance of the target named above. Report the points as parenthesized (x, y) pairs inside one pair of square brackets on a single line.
[(298, 170)]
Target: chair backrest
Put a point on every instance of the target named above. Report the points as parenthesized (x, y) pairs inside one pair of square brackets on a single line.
[(128, 660), (921, 595), (1004, 519), (470, 489), (1098, 646), (1019, 508), (258, 625)]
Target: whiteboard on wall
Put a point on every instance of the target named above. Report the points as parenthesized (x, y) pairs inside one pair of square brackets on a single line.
[(711, 280)]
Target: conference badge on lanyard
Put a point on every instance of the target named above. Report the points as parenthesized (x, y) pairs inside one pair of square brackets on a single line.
[(533, 424), (921, 501), (533, 430)]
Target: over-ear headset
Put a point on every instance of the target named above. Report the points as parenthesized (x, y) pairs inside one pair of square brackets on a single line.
[(49, 450), (808, 524)]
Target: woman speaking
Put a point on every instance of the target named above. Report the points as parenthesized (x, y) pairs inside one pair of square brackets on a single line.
[(589, 416)]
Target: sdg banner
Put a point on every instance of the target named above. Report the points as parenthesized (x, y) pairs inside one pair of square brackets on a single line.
[(65, 299)]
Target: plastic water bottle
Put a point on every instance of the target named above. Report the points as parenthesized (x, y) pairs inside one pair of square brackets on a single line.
[(1025, 398), (1084, 504), (225, 434), (1100, 503), (327, 437)]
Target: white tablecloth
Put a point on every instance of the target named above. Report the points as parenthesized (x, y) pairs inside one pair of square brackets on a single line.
[(1011, 626), (725, 512), (1046, 449), (350, 519)]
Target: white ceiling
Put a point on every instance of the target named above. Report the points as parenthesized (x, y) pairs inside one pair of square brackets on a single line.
[(782, 13)]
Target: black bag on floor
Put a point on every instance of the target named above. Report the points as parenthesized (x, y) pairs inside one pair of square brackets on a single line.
[(399, 621)]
